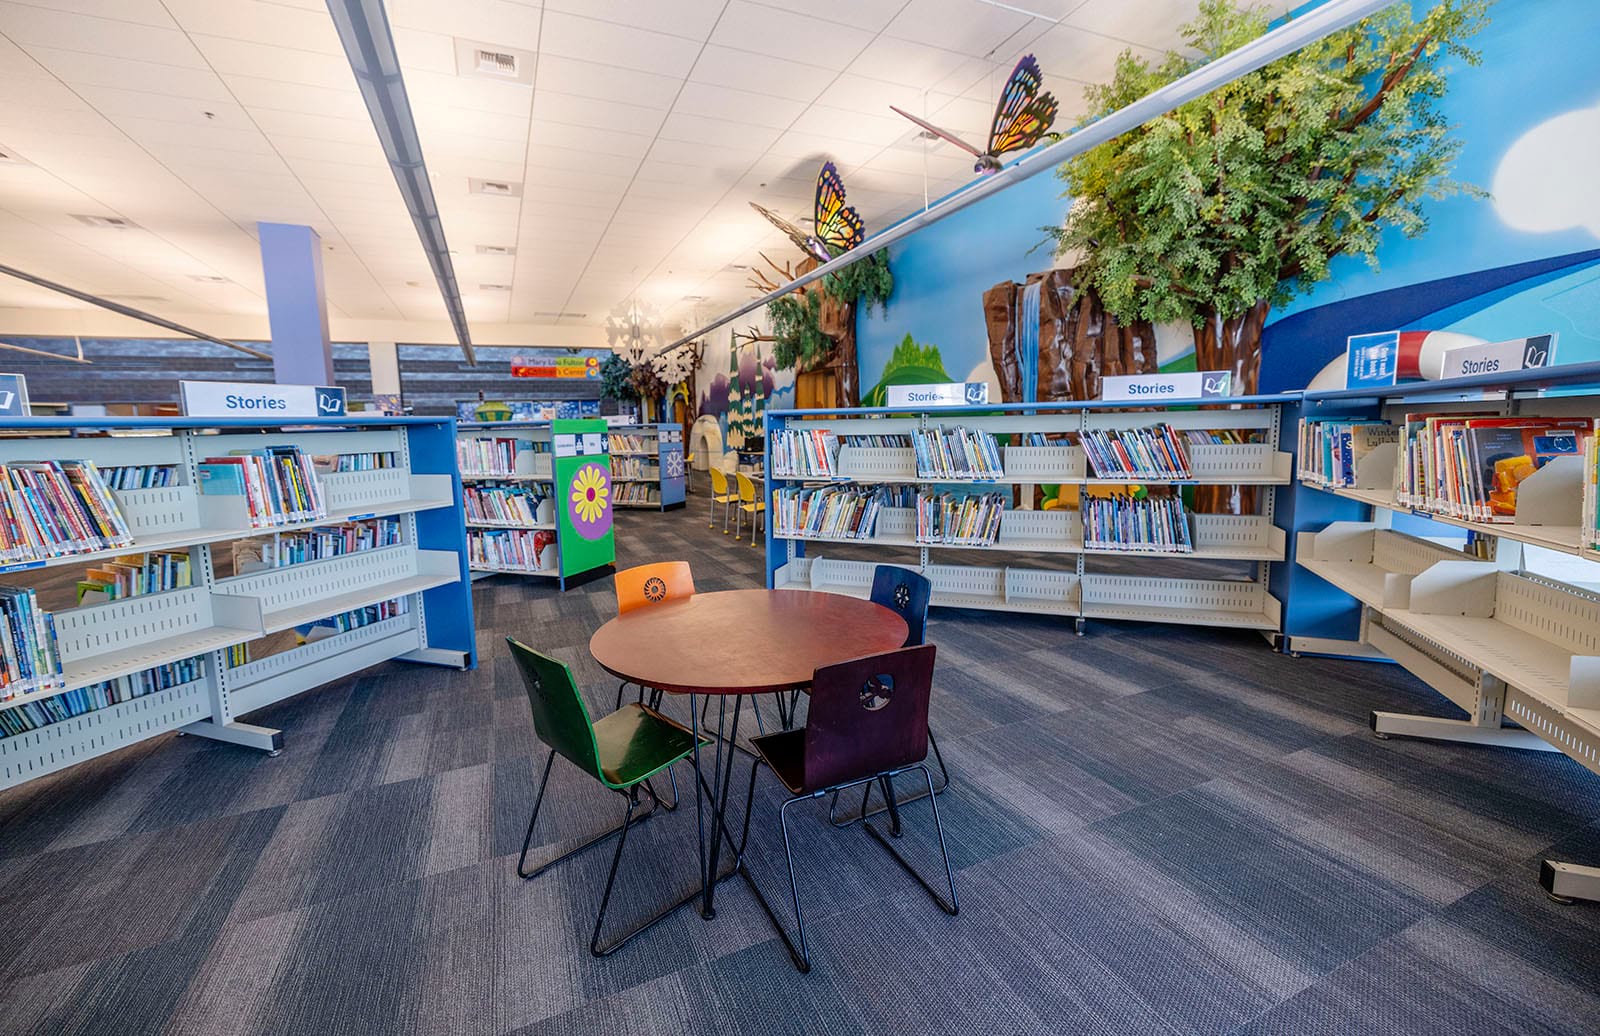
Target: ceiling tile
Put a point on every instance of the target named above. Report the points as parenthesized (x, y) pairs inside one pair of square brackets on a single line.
[(85, 34), (588, 111), (605, 82), (694, 129), (692, 19), (741, 69), (973, 29), (1153, 23), (258, 22), (871, 15), (915, 64), (786, 34), (571, 36), (721, 102)]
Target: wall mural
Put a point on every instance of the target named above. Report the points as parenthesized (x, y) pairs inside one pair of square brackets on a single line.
[(1522, 258), (738, 382)]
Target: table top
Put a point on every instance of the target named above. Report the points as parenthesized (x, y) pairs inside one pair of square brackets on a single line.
[(743, 641)]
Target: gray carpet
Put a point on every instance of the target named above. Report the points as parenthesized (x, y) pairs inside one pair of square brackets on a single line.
[(1157, 830)]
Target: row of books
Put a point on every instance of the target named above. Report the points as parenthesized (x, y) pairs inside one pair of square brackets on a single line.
[(804, 453), (1332, 449), (1123, 523), (956, 453), (28, 638), (51, 509), (634, 467), (344, 622), (879, 441), (497, 456), (279, 484), (19, 719), (1469, 466), (376, 461), (505, 505), (835, 512), (140, 476), (960, 519), (131, 575), (527, 550), (1223, 436), (322, 542), (623, 442), (1156, 452), (635, 493)]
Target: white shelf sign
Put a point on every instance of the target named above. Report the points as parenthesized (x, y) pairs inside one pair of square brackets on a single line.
[(253, 399), (1187, 385), (952, 393), (1499, 357)]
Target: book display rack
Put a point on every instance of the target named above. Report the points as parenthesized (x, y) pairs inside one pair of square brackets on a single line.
[(157, 641), (647, 466), (931, 480), (1492, 621), (510, 504)]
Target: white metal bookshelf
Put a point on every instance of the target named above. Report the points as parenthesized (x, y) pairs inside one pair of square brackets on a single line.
[(1499, 633), (101, 642), (1079, 592), (533, 467), (658, 465)]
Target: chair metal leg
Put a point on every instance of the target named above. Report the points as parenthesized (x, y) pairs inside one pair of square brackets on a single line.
[(802, 958), (894, 807), (866, 795), (527, 839), (953, 906)]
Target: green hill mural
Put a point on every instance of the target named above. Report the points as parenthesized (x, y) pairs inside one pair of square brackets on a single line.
[(909, 364)]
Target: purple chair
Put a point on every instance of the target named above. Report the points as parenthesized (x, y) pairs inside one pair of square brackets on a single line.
[(868, 721)]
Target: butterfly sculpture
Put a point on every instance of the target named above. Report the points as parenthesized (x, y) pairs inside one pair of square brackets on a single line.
[(1021, 119), (838, 226)]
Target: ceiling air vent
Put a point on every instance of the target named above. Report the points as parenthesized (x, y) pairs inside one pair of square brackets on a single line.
[(109, 222), (494, 62), (496, 250), (494, 188), (482, 60)]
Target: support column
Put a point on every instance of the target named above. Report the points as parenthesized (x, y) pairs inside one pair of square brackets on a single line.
[(297, 307), (383, 359)]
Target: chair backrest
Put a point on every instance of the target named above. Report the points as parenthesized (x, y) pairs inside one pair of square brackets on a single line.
[(867, 715), (719, 481), (560, 718), (645, 585), (908, 593), (747, 488)]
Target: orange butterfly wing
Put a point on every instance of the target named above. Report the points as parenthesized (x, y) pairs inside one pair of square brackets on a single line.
[(1024, 115), (839, 226)]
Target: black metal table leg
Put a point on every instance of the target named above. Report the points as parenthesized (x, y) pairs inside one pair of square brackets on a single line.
[(719, 802)]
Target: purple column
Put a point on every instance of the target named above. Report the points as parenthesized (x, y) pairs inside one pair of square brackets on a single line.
[(291, 260)]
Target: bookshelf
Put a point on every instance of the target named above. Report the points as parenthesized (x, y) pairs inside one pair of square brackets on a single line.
[(647, 466), (1057, 572), (1500, 618), (511, 509), (197, 629)]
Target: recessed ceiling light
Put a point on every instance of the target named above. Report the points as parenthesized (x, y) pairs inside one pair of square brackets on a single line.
[(413, 284), (209, 278), (108, 222), (494, 188), (552, 315), (496, 250)]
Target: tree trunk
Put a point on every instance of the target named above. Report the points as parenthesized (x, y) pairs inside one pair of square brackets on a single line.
[(1079, 342), (1233, 344)]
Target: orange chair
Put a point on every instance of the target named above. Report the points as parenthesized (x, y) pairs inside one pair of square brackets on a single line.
[(722, 494), (644, 585), (749, 503)]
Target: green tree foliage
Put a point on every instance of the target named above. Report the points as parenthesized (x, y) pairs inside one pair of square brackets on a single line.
[(1244, 195), (616, 379), (796, 318), (868, 282)]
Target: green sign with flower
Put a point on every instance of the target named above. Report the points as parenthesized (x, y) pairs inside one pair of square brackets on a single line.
[(584, 494)]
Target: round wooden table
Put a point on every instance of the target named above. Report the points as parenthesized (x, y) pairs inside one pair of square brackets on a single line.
[(736, 643), (743, 641)]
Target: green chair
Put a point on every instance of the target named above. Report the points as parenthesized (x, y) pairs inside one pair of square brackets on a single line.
[(622, 751)]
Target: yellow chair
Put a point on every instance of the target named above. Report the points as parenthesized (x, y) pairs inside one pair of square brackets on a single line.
[(722, 494), (749, 503)]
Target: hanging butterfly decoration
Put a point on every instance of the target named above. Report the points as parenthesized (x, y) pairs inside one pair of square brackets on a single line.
[(1021, 119), (838, 226)]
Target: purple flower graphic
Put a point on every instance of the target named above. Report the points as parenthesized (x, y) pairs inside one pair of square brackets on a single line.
[(589, 501)]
